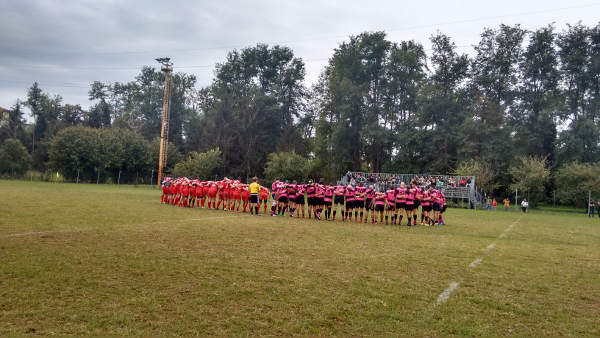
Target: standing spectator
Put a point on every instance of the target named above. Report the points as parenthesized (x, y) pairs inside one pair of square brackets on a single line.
[(598, 208), (591, 210), (506, 203), (488, 204), (524, 205), (494, 204)]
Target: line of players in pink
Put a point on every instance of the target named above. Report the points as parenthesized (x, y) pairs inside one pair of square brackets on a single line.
[(314, 199)]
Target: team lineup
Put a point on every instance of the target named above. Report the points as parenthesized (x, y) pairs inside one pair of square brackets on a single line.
[(311, 200)]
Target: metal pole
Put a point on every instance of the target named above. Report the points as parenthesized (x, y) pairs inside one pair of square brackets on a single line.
[(98, 178), (151, 176), (589, 200), (516, 199), (119, 179), (77, 176)]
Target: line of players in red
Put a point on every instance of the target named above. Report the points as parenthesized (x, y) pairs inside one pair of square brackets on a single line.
[(313, 200)]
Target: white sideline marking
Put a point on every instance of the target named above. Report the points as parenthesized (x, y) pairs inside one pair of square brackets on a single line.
[(446, 294), (475, 262), (33, 233), (492, 245), (502, 235)]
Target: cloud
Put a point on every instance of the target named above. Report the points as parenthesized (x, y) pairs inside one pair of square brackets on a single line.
[(65, 45)]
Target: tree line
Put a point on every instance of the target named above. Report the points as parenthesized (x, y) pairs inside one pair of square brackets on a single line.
[(522, 97)]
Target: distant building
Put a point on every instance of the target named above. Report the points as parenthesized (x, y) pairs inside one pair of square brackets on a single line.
[(4, 116)]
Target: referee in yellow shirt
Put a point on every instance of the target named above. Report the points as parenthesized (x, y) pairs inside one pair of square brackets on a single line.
[(254, 190)]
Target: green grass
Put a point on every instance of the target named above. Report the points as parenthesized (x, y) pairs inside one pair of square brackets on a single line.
[(109, 260)]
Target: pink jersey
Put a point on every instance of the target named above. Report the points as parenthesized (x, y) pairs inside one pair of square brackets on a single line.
[(282, 190), (380, 198), (319, 191), (274, 186), (360, 193), (291, 190), (300, 189), (310, 190), (418, 193), (350, 191), (426, 199), (340, 190), (410, 197), (435, 196), (370, 193), (401, 195), (328, 193), (391, 195)]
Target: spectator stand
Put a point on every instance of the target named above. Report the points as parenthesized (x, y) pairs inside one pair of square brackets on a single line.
[(454, 187)]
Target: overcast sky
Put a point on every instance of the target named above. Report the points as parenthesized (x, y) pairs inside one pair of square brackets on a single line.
[(65, 45)]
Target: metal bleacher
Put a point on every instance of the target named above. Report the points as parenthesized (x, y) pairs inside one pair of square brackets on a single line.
[(448, 184)]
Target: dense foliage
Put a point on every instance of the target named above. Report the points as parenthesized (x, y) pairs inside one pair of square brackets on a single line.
[(200, 165), (287, 166), (379, 105)]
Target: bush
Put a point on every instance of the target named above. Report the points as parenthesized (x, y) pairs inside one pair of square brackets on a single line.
[(484, 176), (14, 158), (199, 165), (530, 174), (574, 181), (287, 165)]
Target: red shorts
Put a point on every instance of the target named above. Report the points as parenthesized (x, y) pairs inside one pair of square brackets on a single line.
[(245, 196)]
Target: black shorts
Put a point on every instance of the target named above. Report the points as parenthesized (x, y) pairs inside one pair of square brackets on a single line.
[(443, 208), (349, 204), (436, 207), (369, 204), (409, 207), (312, 201), (283, 199), (400, 205), (339, 199), (253, 198), (391, 206), (292, 198), (426, 208), (417, 204), (359, 204), (300, 199), (378, 207), (320, 200)]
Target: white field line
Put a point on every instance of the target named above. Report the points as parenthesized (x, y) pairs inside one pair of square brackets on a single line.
[(446, 294), (475, 262), (33, 233)]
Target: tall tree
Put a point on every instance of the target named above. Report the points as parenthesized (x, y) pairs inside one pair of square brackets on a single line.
[(580, 141), (442, 107), (252, 107), (534, 119)]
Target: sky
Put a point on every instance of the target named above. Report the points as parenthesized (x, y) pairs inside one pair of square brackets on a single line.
[(65, 45)]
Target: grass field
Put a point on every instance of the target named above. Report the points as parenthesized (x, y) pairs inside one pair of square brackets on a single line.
[(109, 260)]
